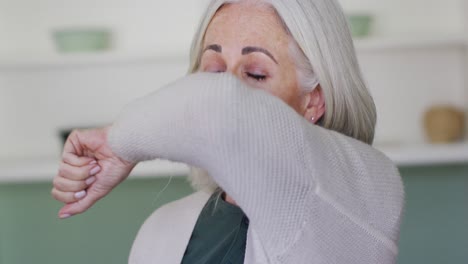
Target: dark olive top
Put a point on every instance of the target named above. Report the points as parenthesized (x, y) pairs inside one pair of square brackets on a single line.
[(219, 236)]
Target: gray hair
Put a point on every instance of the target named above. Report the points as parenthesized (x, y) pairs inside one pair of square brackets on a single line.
[(323, 50)]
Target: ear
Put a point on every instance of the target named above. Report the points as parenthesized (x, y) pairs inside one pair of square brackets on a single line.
[(314, 105)]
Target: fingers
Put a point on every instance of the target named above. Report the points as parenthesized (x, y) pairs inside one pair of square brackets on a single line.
[(67, 197), (75, 183), (66, 185), (74, 150), (78, 173), (94, 194), (71, 181), (74, 160)]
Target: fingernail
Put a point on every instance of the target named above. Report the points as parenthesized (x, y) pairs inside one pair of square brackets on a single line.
[(65, 216), (80, 195), (94, 170), (90, 180), (93, 162)]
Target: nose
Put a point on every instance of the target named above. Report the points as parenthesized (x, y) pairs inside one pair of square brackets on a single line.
[(234, 67)]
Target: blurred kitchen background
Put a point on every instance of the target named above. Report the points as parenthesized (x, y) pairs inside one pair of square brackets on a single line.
[(73, 64)]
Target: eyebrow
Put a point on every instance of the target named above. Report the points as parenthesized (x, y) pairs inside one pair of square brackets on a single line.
[(214, 47), (247, 50)]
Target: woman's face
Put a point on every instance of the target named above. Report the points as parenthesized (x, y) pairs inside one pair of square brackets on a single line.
[(249, 41)]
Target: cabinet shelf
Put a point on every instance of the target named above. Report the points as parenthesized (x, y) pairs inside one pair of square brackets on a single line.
[(56, 60), (87, 60), (426, 154)]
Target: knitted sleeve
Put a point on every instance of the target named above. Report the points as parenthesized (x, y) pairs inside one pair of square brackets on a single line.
[(274, 163)]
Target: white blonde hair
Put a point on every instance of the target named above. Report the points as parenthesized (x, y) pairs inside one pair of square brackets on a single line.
[(323, 50)]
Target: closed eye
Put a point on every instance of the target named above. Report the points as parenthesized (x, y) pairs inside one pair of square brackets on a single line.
[(257, 77)]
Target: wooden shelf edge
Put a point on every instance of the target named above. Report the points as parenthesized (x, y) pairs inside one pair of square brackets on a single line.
[(44, 170)]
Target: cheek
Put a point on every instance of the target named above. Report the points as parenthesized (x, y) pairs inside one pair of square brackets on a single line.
[(288, 91)]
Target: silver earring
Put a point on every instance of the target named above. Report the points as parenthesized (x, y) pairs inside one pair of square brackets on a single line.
[(313, 119)]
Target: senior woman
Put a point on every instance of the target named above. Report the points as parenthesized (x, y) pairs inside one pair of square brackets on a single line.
[(280, 139)]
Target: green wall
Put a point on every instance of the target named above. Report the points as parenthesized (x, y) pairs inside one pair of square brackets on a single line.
[(31, 233), (435, 229)]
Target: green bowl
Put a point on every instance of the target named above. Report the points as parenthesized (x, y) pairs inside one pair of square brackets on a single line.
[(82, 40), (360, 25)]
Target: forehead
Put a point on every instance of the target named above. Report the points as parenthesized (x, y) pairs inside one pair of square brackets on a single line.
[(246, 24)]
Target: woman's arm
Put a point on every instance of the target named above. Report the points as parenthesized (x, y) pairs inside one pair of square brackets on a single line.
[(250, 142), (261, 152)]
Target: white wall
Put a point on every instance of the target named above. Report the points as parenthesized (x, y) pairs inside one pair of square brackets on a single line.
[(397, 17), (3, 107)]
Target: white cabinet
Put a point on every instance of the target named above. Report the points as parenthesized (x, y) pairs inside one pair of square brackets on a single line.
[(152, 26), (416, 58), (407, 77)]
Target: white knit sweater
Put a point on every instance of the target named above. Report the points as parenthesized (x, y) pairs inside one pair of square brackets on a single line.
[(312, 195)]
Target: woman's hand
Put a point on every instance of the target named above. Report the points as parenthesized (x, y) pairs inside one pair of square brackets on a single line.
[(89, 170)]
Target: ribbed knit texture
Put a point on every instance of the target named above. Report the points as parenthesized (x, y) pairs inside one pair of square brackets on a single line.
[(312, 195)]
